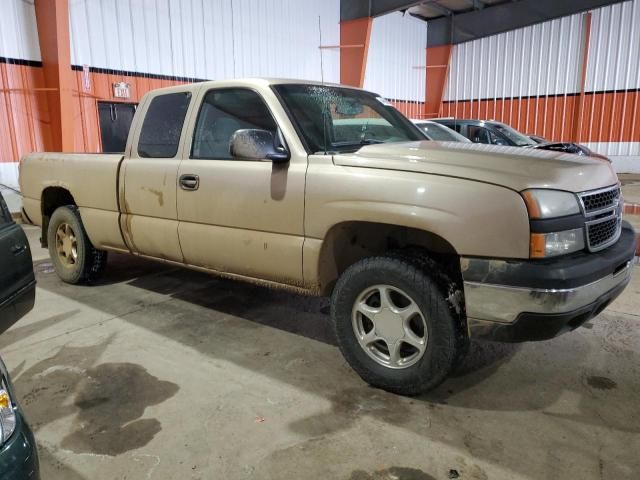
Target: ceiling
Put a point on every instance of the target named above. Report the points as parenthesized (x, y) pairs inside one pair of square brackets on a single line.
[(432, 9), (457, 21)]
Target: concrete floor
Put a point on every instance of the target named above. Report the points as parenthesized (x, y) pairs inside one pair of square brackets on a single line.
[(164, 373)]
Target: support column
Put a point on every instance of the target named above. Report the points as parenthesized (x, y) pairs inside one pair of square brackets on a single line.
[(579, 107), (438, 60), (354, 47), (52, 18)]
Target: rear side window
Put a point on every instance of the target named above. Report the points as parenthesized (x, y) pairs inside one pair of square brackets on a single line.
[(162, 125)]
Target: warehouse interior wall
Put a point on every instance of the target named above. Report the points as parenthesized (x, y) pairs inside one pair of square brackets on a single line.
[(535, 79), (151, 44), (396, 61)]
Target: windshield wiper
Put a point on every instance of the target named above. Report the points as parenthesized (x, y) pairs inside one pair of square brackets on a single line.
[(363, 142)]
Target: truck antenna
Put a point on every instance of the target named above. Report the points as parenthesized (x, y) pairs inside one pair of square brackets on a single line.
[(324, 110), (321, 58)]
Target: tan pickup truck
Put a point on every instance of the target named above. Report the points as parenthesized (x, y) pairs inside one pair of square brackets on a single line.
[(329, 190)]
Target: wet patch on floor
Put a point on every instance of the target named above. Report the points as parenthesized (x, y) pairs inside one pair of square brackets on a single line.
[(108, 400), (601, 383), (393, 473), (112, 397)]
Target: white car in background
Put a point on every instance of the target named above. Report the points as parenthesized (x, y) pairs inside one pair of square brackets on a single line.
[(439, 133)]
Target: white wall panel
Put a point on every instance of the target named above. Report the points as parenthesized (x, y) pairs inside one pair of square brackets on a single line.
[(614, 50), (397, 57), (18, 31), (537, 60), (210, 39)]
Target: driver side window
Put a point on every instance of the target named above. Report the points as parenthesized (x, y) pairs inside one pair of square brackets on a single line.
[(224, 111)]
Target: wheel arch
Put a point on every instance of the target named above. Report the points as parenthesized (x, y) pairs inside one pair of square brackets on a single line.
[(346, 243), (52, 198)]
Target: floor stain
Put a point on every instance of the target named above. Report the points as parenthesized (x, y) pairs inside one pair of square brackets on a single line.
[(106, 401), (393, 473), (112, 397), (601, 383)]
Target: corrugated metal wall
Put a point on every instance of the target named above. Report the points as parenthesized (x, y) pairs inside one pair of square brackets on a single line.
[(527, 77), (396, 61), (531, 79), (612, 107), (18, 32), (21, 82), (207, 39)]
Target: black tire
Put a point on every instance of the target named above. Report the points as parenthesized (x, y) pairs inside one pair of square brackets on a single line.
[(446, 337), (89, 263)]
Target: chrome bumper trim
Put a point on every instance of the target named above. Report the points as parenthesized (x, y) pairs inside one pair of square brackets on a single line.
[(502, 303)]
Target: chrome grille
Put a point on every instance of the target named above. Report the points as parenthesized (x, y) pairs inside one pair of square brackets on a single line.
[(603, 217), (601, 233), (600, 199)]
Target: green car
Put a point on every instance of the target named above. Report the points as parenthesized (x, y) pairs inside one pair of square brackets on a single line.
[(18, 453)]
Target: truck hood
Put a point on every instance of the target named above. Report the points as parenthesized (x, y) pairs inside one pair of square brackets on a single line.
[(510, 167)]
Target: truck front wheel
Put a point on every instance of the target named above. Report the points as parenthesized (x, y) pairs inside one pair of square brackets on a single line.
[(73, 255), (394, 325)]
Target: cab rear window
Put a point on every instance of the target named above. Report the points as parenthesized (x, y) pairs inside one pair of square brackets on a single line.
[(162, 125)]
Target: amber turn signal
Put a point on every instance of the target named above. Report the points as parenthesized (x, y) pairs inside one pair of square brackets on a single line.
[(537, 245)]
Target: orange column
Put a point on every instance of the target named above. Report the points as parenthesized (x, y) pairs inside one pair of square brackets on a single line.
[(438, 59), (354, 46), (52, 18)]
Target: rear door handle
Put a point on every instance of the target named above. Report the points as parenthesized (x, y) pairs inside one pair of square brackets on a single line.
[(18, 249), (189, 182)]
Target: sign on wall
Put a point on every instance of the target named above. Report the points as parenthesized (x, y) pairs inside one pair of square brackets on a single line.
[(121, 90), (86, 79)]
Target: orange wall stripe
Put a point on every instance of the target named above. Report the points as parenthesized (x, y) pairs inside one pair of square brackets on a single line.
[(553, 116), (25, 125)]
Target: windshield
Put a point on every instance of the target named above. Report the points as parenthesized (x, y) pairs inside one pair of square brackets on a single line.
[(440, 133), (513, 135), (343, 119)]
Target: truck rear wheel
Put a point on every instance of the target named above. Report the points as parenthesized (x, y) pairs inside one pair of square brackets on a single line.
[(73, 255), (394, 325)]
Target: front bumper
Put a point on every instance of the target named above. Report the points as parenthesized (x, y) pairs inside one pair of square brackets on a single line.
[(525, 300)]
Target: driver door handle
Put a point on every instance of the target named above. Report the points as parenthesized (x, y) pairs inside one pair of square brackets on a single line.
[(189, 182)]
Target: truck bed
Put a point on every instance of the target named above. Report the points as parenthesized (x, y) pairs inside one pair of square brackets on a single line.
[(91, 177)]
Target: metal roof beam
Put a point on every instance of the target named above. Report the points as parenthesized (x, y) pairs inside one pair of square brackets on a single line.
[(493, 19), (353, 9)]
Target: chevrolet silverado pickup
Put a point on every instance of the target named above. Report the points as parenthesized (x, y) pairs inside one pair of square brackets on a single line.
[(329, 190)]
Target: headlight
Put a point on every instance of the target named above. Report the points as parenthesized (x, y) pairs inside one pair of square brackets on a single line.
[(543, 203), (544, 206), (7, 415), (545, 245)]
